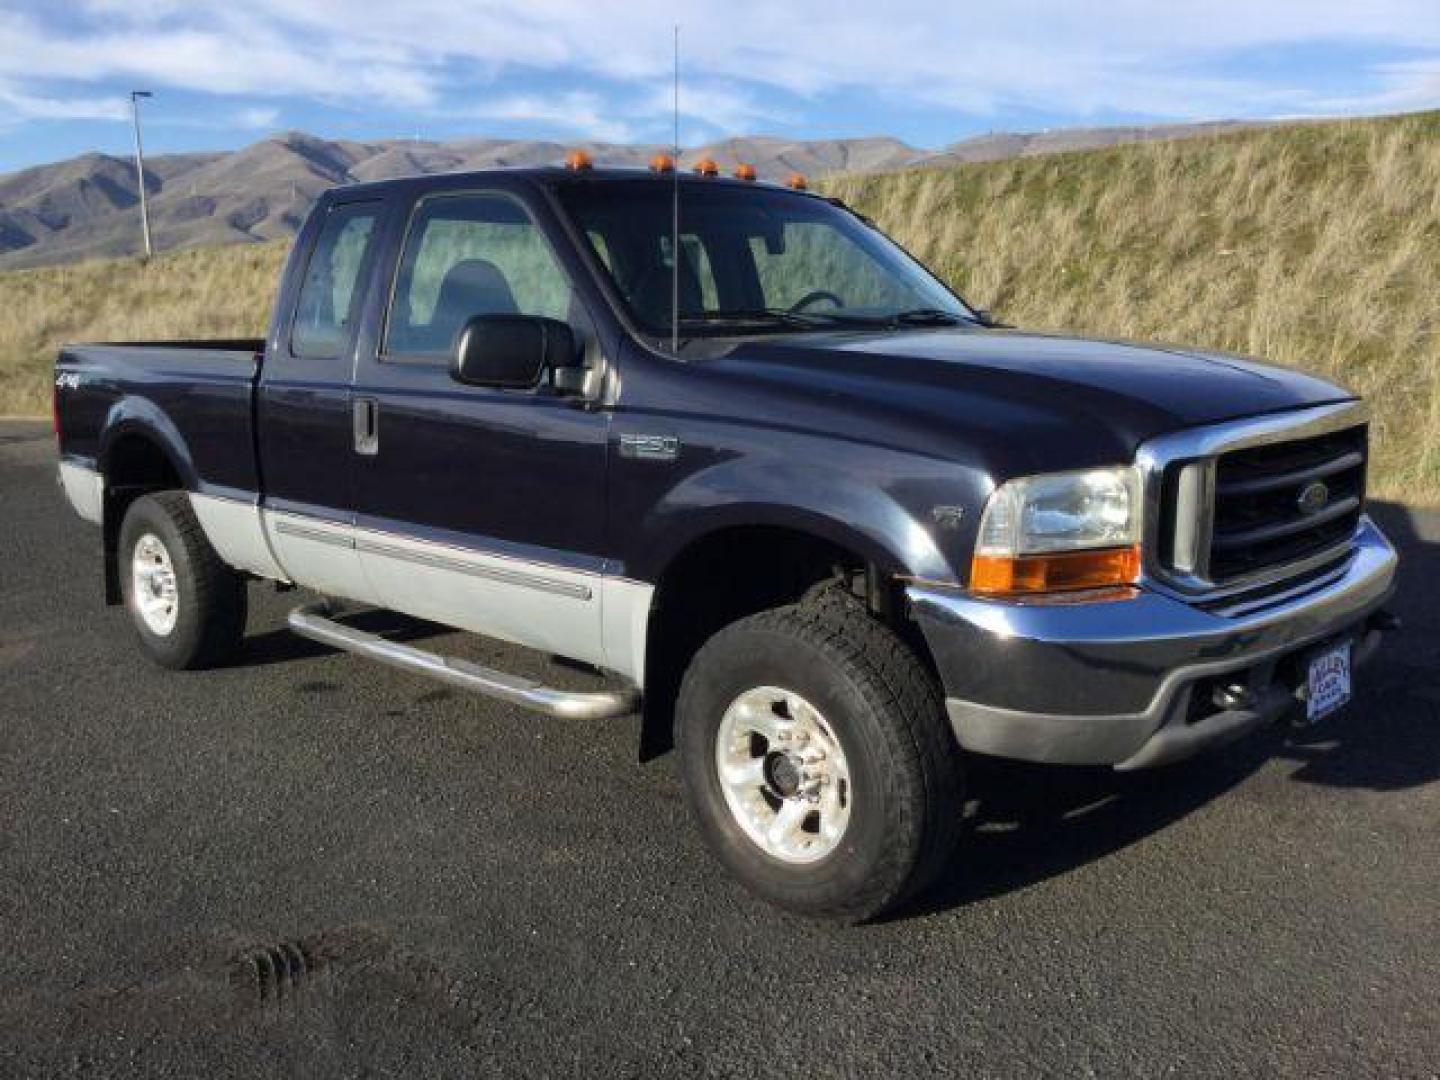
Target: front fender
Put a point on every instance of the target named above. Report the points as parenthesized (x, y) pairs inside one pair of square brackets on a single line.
[(846, 507)]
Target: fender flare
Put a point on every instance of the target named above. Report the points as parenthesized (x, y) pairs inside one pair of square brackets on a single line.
[(860, 517), (138, 416)]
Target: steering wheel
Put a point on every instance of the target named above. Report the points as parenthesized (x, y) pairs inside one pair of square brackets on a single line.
[(814, 298)]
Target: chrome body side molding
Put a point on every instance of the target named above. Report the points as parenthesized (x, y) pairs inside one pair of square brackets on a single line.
[(599, 619), (542, 606), (313, 621), (432, 556), (318, 554)]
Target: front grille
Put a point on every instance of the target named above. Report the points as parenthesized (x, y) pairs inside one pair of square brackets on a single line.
[(1261, 519), (1262, 513)]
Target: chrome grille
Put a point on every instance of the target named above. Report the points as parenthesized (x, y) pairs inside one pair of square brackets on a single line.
[(1262, 517), (1254, 504)]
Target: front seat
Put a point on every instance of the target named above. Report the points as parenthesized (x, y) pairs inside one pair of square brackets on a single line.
[(471, 287)]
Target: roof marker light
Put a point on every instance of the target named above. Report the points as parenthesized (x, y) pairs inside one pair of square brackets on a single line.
[(662, 163), (706, 167), (745, 171), (579, 161), (797, 181)]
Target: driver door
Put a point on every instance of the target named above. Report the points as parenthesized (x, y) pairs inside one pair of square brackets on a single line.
[(478, 507)]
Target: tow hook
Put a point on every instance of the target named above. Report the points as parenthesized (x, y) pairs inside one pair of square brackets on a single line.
[(1233, 696)]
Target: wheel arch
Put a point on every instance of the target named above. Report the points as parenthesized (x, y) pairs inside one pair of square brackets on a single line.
[(140, 452), (742, 564)]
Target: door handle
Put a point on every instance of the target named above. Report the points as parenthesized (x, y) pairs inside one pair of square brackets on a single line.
[(365, 417)]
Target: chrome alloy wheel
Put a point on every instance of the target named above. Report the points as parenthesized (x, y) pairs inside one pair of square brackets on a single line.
[(152, 585), (784, 774)]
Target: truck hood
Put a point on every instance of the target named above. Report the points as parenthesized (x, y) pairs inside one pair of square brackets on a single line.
[(1033, 383)]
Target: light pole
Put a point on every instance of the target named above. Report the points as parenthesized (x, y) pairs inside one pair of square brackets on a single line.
[(135, 96)]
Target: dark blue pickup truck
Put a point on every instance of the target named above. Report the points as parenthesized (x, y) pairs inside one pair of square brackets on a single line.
[(825, 526)]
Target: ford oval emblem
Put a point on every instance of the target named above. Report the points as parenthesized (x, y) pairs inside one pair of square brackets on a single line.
[(1314, 497)]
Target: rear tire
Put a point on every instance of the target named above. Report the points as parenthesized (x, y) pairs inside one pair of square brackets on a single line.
[(188, 607), (859, 753)]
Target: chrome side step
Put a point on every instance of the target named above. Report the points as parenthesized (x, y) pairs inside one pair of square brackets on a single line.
[(312, 621)]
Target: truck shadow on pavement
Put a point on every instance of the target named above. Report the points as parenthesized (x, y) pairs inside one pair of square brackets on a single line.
[(1028, 823)]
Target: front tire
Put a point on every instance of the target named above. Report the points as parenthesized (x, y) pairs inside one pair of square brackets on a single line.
[(816, 757), (187, 607)]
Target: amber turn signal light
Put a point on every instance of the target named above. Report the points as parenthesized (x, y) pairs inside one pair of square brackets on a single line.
[(744, 171), (662, 163), (797, 181), (1006, 575), (707, 167), (579, 161)]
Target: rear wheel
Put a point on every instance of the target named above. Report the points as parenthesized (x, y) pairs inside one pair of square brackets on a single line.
[(188, 608), (817, 759)]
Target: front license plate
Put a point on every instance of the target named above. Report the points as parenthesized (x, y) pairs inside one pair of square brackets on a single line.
[(1329, 683)]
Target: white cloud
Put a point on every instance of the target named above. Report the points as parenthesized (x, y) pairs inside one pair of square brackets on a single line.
[(17, 106), (1404, 85), (257, 118), (578, 112), (747, 63)]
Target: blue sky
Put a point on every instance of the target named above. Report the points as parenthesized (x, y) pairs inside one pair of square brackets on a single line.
[(230, 72)]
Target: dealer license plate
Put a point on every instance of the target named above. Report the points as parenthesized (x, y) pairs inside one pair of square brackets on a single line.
[(1328, 687)]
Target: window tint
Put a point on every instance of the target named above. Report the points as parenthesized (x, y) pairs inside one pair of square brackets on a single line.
[(814, 256), (466, 256), (329, 294), (747, 252)]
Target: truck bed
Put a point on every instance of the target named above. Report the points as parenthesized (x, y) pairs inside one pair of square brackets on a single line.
[(199, 392)]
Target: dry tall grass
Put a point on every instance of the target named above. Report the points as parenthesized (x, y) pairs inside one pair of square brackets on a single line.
[(1316, 246), (204, 292)]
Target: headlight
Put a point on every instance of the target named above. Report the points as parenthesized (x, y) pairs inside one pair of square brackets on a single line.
[(1075, 530)]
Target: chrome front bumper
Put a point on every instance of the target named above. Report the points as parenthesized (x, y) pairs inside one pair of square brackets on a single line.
[(1111, 682)]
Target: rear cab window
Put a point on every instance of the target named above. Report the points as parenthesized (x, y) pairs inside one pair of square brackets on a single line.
[(330, 296)]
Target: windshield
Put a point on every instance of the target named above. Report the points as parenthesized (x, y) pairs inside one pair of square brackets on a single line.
[(751, 258)]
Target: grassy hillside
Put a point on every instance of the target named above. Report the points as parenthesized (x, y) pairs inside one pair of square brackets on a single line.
[(201, 292), (1316, 246)]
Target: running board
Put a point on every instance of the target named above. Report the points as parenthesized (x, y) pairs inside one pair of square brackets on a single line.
[(312, 621)]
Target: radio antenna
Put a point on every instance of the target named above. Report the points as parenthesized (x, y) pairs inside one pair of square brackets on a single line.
[(675, 206)]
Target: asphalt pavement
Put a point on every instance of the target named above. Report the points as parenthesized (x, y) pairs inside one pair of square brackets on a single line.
[(308, 865)]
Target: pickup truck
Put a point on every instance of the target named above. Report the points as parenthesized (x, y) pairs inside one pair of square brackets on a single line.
[(828, 529)]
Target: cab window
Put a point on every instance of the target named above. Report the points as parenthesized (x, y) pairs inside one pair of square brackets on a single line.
[(469, 255), (330, 291)]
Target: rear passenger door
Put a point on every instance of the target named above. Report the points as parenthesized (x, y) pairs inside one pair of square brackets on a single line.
[(304, 415), (477, 507)]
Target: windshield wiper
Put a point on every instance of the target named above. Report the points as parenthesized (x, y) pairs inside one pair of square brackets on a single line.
[(925, 317), (892, 319), (755, 315), (836, 317)]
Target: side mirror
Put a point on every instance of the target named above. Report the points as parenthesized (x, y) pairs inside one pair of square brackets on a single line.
[(510, 351)]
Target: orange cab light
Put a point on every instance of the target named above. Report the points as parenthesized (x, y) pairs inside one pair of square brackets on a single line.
[(797, 181), (707, 167), (579, 161), (744, 171), (662, 163), (1004, 575)]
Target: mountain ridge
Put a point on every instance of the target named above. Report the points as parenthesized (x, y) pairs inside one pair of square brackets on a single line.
[(86, 206)]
